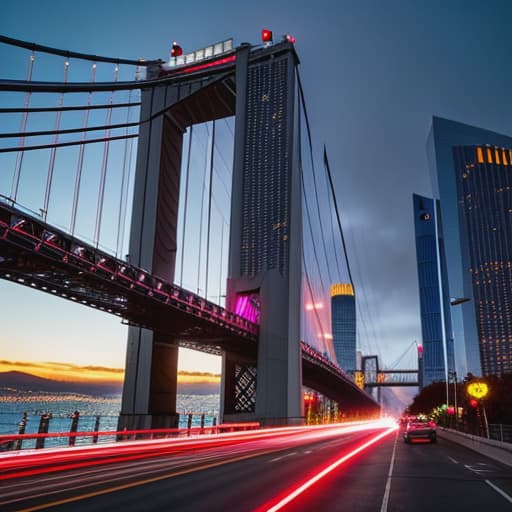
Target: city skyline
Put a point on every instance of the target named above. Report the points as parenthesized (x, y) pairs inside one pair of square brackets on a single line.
[(373, 123)]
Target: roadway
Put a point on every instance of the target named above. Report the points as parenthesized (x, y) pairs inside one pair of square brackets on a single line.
[(254, 472)]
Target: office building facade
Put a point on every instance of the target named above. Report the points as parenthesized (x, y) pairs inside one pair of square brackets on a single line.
[(473, 175), (343, 321), (436, 329)]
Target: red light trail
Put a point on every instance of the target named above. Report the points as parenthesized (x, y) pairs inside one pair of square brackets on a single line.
[(291, 495)]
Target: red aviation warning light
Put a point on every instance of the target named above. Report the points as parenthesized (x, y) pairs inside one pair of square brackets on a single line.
[(176, 49), (290, 38), (266, 35)]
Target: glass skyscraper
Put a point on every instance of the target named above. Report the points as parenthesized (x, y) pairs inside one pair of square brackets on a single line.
[(473, 180), (343, 320), (436, 330)]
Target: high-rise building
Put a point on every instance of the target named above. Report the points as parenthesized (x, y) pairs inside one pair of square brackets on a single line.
[(343, 321), (473, 180), (436, 330)]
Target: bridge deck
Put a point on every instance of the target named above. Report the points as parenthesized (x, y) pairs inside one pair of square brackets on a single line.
[(35, 254)]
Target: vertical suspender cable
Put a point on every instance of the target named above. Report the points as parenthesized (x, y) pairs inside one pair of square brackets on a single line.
[(104, 165), (201, 220), (53, 151), (186, 204), (125, 178), (221, 258), (210, 187), (23, 127), (80, 162)]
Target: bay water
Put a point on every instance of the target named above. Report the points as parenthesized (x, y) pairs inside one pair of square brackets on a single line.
[(31, 405)]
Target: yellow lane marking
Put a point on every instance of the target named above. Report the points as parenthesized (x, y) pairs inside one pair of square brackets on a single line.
[(141, 482)]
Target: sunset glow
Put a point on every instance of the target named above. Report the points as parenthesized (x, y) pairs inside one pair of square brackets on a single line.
[(67, 372)]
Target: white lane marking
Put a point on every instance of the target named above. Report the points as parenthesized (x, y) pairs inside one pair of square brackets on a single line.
[(283, 456), (478, 470), (453, 460), (385, 499), (499, 491)]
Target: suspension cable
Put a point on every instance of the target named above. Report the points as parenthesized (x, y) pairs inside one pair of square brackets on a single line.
[(187, 176), (125, 178), (75, 108), (53, 151), (210, 188), (23, 127), (310, 288), (104, 166), (329, 201), (80, 161), (326, 162), (313, 172), (201, 222), (76, 55)]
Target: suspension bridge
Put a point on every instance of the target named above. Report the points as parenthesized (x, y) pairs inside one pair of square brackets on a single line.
[(184, 197)]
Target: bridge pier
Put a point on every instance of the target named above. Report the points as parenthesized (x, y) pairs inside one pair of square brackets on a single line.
[(149, 392)]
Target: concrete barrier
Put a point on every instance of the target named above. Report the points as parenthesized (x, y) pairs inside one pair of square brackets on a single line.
[(491, 448)]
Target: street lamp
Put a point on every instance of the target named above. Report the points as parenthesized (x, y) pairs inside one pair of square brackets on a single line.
[(453, 375), (455, 301)]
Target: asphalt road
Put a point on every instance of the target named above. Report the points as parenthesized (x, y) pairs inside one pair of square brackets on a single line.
[(387, 476)]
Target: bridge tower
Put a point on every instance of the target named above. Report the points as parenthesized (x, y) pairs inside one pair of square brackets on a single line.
[(257, 86), (266, 237)]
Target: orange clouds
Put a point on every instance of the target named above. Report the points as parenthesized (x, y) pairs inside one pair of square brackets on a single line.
[(66, 372), (69, 372)]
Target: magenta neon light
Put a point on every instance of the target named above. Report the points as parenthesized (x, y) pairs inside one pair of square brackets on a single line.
[(246, 308)]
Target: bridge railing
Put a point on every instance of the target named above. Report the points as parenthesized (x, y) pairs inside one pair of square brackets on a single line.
[(16, 441), (317, 356)]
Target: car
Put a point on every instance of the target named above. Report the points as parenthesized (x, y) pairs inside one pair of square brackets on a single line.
[(420, 428)]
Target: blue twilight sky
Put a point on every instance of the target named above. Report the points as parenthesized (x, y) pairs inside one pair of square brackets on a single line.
[(374, 73)]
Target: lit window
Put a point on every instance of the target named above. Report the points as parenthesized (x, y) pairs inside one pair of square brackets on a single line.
[(497, 155), (504, 157), (479, 155)]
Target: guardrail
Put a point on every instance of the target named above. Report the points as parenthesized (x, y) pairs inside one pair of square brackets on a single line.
[(66, 429), (15, 441), (500, 432), (491, 448)]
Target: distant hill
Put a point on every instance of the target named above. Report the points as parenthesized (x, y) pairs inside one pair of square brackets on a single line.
[(26, 382), (20, 381)]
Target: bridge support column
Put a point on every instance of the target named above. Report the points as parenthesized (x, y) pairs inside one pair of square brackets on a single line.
[(149, 393)]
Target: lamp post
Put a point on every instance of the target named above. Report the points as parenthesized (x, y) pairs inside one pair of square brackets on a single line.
[(453, 375), (456, 302)]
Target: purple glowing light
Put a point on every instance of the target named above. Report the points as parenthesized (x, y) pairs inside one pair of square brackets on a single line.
[(248, 307)]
